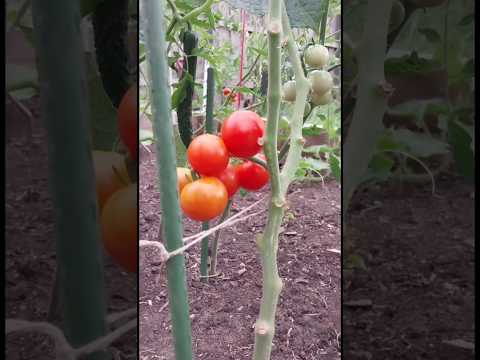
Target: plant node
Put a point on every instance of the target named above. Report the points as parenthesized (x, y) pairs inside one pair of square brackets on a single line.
[(385, 88), (275, 27), (279, 202), (262, 328)]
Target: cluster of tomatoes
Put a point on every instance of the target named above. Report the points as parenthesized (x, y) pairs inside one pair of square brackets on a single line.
[(227, 92), (116, 193), (214, 178), (316, 57)]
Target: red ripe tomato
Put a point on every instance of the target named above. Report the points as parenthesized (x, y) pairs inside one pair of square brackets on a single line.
[(252, 176), (204, 199), (241, 132), (227, 91), (128, 120), (229, 178), (208, 154)]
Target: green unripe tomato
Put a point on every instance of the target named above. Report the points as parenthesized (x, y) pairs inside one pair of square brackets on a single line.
[(321, 81), (322, 99), (316, 56), (289, 91), (427, 3), (396, 16)]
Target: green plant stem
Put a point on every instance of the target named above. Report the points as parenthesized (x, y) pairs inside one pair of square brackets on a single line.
[(72, 181), (268, 243), (216, 239), (21, 13), (166, 162), (259, 162), (371, 102), (209, 128), (323, 22), (302, 89)]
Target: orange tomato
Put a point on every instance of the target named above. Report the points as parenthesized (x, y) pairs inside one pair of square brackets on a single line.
[(204, 199), (119, 224), (184, 177), (110, 174)]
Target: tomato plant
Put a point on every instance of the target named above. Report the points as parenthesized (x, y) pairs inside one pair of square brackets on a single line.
[(242, 132), (229, 178), (110, 174), (119, 222), (128, 120), (252, 176), (208, 155), (204, 199)]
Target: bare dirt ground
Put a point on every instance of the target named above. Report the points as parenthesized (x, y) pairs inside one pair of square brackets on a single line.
[(417, 293), (224, 310)]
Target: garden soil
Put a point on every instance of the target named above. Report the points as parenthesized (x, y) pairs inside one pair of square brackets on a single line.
[(224, 310), (415, 299)]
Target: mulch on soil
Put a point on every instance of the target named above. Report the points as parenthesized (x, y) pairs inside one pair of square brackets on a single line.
[(418, 291), (224, 310)]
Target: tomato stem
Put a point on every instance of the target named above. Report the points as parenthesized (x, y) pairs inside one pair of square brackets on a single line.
[(268, 242)]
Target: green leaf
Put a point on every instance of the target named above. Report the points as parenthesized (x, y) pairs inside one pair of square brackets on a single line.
[(181, 91), (302, 13), (314, 164), (420, 145), (146, 136), (356, 261), (20, 77), (335, 166), (88, 6), (461, 139), (311, 130), (318, 149), (467, 20), (379, 168), (431, 34)]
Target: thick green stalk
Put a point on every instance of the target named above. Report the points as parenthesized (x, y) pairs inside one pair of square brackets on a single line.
[(165, 150), (72, 181), (209, 128), (371, 101), (268, 243)]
